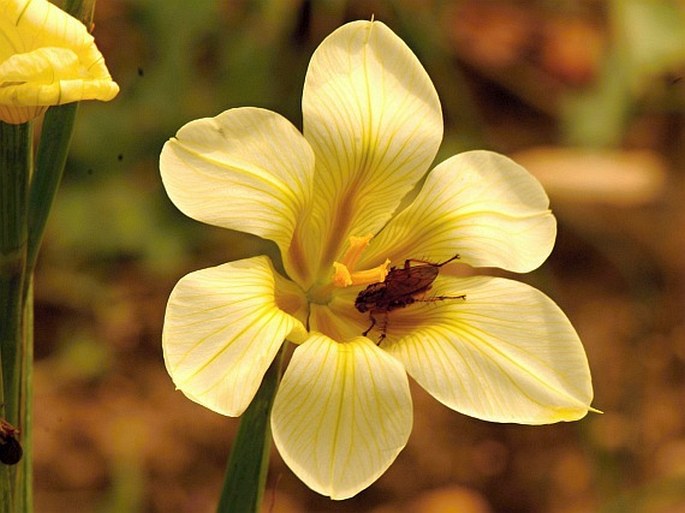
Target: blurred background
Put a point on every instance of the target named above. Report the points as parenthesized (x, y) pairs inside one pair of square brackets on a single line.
[(588, 94)]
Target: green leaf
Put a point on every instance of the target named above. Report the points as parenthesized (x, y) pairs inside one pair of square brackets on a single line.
[(248, 464), (50, 160), (15, 169)]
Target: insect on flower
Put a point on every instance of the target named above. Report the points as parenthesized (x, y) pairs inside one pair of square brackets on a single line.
[(401, 288), (10, 448)]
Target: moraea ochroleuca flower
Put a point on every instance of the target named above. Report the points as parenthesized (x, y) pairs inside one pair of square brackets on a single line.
[(328, 198), (46, 58)]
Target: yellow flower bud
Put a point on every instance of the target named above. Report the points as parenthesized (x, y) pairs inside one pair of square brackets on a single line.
[(46, 58)]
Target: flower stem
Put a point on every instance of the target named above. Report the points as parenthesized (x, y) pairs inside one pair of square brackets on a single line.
[(248, 464), (25, 202), (15, 168), (51, 158), (23, 484), (15, 172)]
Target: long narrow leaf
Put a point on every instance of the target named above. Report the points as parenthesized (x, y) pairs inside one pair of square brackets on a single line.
[(248, 464)]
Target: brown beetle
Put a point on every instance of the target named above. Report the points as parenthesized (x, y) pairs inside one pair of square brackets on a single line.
[(401, 288), (10, 448)]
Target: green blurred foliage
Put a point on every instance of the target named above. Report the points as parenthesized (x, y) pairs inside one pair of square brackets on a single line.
[(647, 43)]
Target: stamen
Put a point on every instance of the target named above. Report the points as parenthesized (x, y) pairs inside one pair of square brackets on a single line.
[(373, 275), (354, 252), (343, 277)]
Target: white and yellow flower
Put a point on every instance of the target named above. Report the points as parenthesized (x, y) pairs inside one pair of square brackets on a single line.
[(372, 127), (46, 58)]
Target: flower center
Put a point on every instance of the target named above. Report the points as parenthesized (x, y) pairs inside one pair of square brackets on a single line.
[(346, 274)]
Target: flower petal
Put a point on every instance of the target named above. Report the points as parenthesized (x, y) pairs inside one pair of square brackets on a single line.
[(247, 169), (506, 353), (480, 205), (47, 58), (374, 121), (341, 415), (223, 327)]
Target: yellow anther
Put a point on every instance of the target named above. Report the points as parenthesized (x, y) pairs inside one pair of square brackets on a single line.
[(343, 273), (342, 277), (373, 275), (354, 252)]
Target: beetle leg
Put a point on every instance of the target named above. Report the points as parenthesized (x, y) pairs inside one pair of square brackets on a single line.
[(426, 262), (433, 299), (373, 323), (384, 329)]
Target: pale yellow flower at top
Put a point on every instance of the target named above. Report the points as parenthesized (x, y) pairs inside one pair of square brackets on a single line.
[(330, 197), (46, 58)]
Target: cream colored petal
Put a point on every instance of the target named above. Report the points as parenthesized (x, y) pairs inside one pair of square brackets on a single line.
[(506, 353), (480, 205), (47, 58), (223, 327), (341, 415), (247, 169), (374, 121)]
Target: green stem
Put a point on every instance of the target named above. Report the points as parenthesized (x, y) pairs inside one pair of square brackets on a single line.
[(15, 172), (248, 464), (51, 158), (15, 168), (24, 472), (82, 10), (24, 212)]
